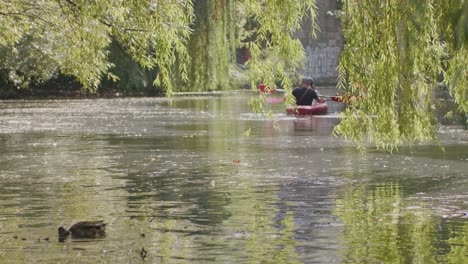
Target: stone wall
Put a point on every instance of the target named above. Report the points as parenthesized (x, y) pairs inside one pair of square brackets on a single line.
[(322, 52)]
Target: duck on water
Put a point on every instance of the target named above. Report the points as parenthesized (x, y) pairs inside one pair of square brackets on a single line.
[(85, 229)]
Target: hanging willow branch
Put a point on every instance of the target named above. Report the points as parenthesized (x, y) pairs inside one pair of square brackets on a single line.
[(275, 53), (392, 58)]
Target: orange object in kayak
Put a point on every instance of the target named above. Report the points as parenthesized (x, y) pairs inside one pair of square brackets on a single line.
[(317, 109), (266, 89)]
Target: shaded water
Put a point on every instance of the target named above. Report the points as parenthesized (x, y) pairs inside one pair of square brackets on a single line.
[(206, 181)]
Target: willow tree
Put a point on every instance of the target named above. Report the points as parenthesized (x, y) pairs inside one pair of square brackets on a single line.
[(40, 39), (265, 28), (395, 54), (275, 54), (73, 36), (212, 45)]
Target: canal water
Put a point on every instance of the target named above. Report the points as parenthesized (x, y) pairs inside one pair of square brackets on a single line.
[(205, 180)]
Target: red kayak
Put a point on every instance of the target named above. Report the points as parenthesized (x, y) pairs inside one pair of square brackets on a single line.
[(317, 109), (275, 100)]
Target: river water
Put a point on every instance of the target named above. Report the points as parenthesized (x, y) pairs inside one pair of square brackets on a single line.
[(205, 180)]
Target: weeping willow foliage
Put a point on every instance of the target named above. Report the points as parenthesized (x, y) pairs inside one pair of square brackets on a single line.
[(212, 46), (453, 28), (159, 37), (191, 41), (395, 53), (75, 35), (275, 53), (265, 28)]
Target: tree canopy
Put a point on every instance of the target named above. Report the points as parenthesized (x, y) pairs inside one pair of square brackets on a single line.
[(37, 38), (396, 53)]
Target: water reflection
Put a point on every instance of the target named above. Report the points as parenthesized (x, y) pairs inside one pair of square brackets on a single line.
[(380, 225), (186, 183)]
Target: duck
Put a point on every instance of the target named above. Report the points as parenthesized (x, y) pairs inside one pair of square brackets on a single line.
[(84, 229)]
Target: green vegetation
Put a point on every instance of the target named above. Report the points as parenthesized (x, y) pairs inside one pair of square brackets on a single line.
[(382, 225), (40, 39), (396, 54), (191, 44)]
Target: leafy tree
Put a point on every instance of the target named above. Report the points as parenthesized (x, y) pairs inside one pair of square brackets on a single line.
[(275, 53), (74, 35), (212, 46), (395, 55)]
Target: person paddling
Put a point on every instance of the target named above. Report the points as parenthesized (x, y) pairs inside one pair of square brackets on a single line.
[(306, 93)]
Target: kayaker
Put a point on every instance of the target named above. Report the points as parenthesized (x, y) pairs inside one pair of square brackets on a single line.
[(306, 93)]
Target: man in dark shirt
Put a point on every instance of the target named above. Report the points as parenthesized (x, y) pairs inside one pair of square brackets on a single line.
[(305, 94)]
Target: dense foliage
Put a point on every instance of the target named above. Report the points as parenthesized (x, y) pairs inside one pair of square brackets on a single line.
[(396, 55), (212, 46), (176, 38), (37, 38), (275, 54)]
